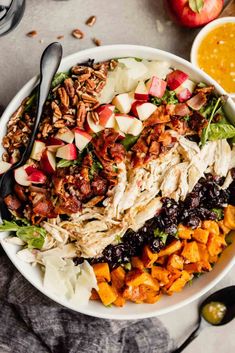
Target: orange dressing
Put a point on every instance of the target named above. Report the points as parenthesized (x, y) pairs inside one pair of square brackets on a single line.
[(216, 55)]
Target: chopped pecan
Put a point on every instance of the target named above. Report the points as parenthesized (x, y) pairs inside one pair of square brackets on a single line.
[(68, 83), (64, 99), (91, 21), (81, 114), (32, 34), (56, 111), (77, 33)]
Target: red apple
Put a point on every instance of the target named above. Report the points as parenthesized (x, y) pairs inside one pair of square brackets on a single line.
[(124, 122), (4, 166), (30, 169), (145, 110), (82, 138), (38, 148), (106, 115), (141, 92), (68, 152), (66, 135), (21, 177), (134, 106), (48, 162), (196, 14), (53, 144), (91, 127), (37, 177), (184, 95), (176, 78), (123, 102), (156, 87), (136, 127)]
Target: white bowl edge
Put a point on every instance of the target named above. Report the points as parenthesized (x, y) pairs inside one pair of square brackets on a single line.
[(130, 311)]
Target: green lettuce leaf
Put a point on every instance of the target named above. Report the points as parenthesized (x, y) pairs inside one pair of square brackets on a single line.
[(59, 78), (220, 131), (32, 235), (129, 141)]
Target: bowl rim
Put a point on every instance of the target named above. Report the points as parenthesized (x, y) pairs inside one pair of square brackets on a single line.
[(13, 104), (202, 33)]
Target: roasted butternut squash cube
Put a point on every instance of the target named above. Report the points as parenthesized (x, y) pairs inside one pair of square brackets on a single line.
[(174, 274), (203, 252), (173, 247), (102, 271), (223, 229), (120, 301), (184, 232), (161, 274), (180, 282), (229, 216), (213, 259), (148, 257), (106, 293), (152, 296), (136, 262), (211, 226), (196, 267), (118, 277), (161, 260), (137, 277), (215, 244), (190, 252), (201, 235), (135, 294), (175, 261)]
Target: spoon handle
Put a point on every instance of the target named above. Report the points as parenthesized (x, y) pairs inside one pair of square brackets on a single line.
[(50, 61), (192, 336)]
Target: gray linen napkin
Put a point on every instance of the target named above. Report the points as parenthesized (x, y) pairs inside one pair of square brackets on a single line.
[(30, 322)]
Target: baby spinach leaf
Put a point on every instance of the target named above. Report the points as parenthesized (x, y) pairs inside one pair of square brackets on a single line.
[(129, 141)]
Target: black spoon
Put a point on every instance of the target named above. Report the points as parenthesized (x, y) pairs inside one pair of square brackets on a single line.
[(11, 15), (225, 296), (49, 64)]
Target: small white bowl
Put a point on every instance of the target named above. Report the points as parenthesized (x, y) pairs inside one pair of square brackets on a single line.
[(130, 311), (201, 35)]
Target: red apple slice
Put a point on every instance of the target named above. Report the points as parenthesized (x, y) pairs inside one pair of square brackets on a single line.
[(82, 138), (21, 177), (145, 110), (37, 177), (176, 78), (68, 152), (183, 95), (134, 106), (53, 144), (48, 162), (123, 102), (91, 127), (136, 127), (4, 166), (106, 115), (30, 169), (66, 135), (141, 92), (124, 122), (38, 148), (156, 87)]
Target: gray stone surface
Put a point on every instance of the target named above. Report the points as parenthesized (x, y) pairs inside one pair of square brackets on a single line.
[(118, 21)]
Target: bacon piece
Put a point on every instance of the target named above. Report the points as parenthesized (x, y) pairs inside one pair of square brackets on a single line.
[(197, 122), (179, 125), (99, 186), (12, 202), (207, 89), (117, 152), (20, 192), (159, 116), (196, 102), (44, 208), (68, 206)]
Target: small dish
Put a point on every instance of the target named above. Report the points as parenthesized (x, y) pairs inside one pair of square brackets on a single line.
[(198, 41)]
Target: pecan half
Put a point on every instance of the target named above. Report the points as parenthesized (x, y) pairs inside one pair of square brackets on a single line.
[(91, 21), (68, 83), (77, 33), (64, 99)]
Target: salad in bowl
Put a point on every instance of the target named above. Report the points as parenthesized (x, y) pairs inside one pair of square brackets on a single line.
[(129, 192)]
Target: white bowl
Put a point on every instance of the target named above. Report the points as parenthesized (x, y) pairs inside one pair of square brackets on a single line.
[(130, 311), (201, 35)]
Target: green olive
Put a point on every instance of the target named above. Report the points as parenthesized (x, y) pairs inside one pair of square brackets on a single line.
[(214, 312)]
